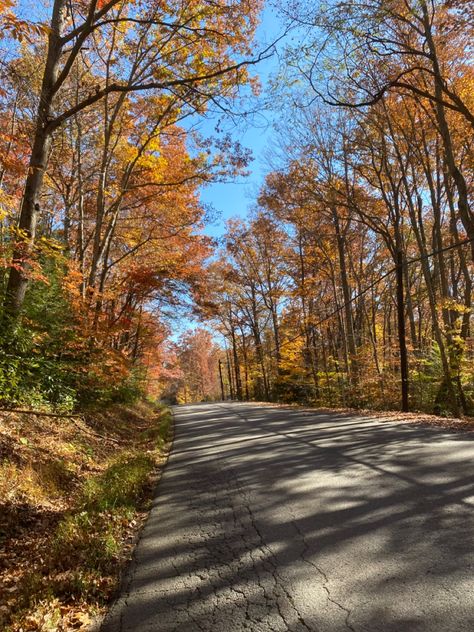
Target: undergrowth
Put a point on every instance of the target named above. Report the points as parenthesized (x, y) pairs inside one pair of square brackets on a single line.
[(101, 493)]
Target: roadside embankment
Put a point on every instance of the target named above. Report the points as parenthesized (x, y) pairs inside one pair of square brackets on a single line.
[(74, 492)]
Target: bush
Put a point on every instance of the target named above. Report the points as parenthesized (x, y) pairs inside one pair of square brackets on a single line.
[(50, 360), (291, 390)]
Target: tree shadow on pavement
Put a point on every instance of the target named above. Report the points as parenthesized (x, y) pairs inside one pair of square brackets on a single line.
[(269, 519)]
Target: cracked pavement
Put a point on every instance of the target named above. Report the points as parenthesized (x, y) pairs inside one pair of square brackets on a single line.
[(275, 520)]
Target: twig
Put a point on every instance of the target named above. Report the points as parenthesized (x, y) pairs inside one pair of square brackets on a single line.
[(38, 412)]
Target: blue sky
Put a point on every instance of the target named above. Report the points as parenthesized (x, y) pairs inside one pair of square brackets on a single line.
[(232, 199)]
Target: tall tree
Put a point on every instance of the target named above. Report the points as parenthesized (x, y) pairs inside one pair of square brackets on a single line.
[(189, 51)]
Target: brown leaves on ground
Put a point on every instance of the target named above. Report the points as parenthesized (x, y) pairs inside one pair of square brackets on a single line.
[(44, 464)]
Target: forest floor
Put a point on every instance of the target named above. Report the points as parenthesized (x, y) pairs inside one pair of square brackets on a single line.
[(74, 493)]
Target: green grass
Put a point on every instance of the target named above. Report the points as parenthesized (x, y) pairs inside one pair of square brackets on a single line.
[(161, 433), (121, 484), (91, 538)]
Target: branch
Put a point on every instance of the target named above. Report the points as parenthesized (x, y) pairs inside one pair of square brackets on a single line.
[(88, 24), (458, 105), (152, 85)]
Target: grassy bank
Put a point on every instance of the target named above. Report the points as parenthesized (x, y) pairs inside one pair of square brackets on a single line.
[(74, 493)]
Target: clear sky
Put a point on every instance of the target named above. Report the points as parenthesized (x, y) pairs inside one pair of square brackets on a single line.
[(232, 199)]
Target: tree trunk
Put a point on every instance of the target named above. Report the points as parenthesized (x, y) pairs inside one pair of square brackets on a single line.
[(221, 380), (465, 213), (238, 381), (42, 139), (229, 375), (402, 331), (346, 292), (246, 364)]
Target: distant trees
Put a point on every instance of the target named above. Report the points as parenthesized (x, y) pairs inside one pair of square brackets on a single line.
[(196, 361)]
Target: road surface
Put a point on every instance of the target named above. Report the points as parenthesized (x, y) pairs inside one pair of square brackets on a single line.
[(268, 519)]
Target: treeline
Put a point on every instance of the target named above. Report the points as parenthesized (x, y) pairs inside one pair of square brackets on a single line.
[(352, 283), (191, 372), (100, 166)]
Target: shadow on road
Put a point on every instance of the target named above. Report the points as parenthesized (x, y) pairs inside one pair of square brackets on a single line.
[(269, 519)]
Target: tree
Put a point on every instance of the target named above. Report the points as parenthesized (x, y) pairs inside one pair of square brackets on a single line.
[(407, 48), (187, 51), (198, 358)]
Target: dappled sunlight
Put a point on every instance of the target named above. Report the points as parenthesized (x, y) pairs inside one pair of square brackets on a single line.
[(272, 519)]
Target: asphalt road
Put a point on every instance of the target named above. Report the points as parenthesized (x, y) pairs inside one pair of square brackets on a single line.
[(274, 520)]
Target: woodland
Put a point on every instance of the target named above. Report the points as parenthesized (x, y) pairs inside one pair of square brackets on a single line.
[(349, 283)]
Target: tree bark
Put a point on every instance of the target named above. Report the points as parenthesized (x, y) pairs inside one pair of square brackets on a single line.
[(465, 213), (221, 380), (402, 332), (30, 206)]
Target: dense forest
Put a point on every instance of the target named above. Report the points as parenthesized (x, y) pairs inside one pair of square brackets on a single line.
[(101, 163), (350, 283), (127, 285)]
